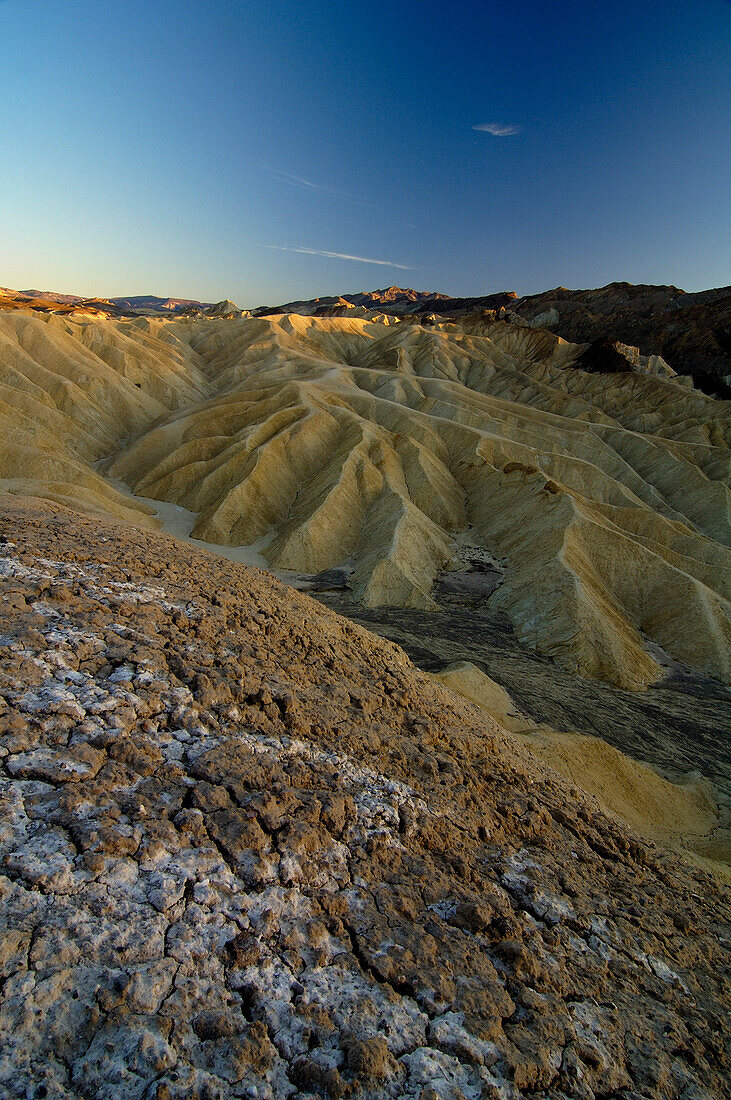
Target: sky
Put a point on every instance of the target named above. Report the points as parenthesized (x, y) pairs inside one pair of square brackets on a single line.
[(269, 150)]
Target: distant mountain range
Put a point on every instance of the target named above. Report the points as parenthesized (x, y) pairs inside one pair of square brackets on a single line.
[(393, 299), (132, 303), (164, 305), (692, 332)]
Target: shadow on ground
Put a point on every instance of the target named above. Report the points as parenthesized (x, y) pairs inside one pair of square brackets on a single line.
[(679, 725)]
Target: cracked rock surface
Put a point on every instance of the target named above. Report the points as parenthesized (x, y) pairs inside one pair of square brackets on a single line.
[(248, 850)]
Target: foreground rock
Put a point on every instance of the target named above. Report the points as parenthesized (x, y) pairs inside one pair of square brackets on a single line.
[(248, 850)]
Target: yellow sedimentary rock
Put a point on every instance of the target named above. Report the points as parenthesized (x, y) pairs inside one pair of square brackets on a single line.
[(605, 497), (683, 816)]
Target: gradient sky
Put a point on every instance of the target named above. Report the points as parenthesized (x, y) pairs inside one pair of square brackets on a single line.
[(183, 148)]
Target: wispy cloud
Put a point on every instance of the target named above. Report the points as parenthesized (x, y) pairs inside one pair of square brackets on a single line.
[(497, 129), (299, 181), (334, 192), (337, 256)]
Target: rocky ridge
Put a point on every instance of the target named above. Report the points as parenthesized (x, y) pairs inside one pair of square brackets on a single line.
[(248, 850), (692, 332)]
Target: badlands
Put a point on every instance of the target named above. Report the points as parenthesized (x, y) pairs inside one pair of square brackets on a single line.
[(401, 453), (249, 849)]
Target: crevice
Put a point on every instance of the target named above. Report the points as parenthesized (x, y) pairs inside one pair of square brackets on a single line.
[(404, 989)]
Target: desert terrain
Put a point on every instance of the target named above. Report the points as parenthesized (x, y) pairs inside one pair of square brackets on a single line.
[(599, 500), (250, 850), (435, 802)]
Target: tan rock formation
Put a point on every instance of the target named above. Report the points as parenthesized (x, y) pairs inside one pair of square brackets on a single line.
[(472, 683), (683, 816), (604, 496)]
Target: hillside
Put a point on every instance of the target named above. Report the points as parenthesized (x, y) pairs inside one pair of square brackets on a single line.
[(249, 850), (691, 331), (598, 504)]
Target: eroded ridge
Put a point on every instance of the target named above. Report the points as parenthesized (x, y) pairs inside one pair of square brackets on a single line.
[(386, 446), (248, 850)]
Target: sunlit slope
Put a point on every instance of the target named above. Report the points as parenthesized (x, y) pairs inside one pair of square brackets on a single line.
[(73, 390), (604, 496)]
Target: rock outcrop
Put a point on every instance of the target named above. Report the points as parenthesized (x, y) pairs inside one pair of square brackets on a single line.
[(226, 308), (606, 356), (248, 850)]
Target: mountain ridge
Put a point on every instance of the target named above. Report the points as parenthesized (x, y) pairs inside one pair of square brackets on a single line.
[(690, 330)]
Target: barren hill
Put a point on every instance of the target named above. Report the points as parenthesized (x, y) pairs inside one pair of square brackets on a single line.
[(401, 453), (249, 850), (691, 331)]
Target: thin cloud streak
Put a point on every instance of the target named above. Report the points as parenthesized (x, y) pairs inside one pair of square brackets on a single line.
[(299, 181), (497, 129), (338, 256)]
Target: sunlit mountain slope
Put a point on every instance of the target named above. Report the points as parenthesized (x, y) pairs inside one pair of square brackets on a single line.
[(602, 499)]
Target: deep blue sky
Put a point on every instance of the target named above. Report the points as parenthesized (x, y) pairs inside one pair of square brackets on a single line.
[(163, 147)]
